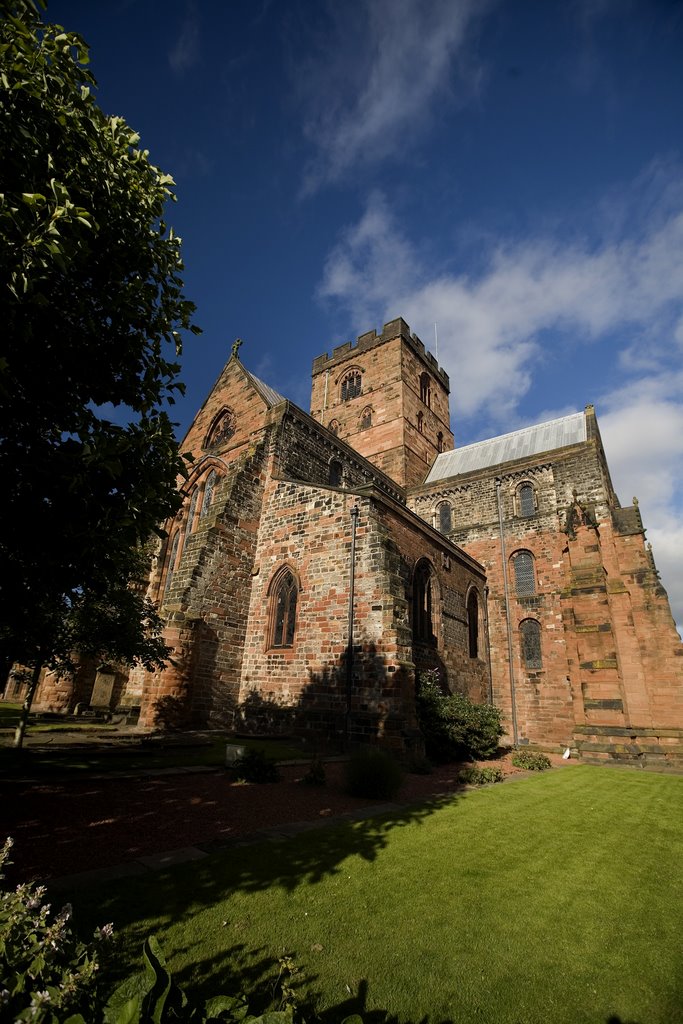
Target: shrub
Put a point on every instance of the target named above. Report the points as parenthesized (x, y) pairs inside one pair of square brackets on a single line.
[(372, 772), (315, 776), (454, 727), (47, 974), (420, 766), (254, 766), (530, 761), (475, 776)]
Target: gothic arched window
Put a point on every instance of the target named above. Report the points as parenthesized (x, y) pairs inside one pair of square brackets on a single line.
[(439, 442), (526, 500), (191, 511), (426, 389), (222, 428), (336, 473), (420, 422), (530, 637), (423, 623), (172, 558), (525, 580), (334, 427), (209, 488), (366, 418), (445, 517), (283, 597), (351, 385), (473, 623)]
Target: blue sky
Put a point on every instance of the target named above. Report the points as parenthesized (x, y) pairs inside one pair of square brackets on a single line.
[(510, 170)]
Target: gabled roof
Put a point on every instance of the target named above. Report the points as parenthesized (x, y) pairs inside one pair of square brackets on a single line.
[(543, 437), (269, 395)]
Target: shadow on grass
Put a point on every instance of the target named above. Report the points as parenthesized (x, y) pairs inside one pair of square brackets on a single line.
[(151, 904)]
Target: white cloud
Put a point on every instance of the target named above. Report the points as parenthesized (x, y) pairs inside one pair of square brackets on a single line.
[(491, 325), (186, 50), (372, 86), (497, 326)]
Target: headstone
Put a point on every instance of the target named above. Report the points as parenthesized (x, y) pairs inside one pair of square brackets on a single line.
[(233, 752), (102, 690)]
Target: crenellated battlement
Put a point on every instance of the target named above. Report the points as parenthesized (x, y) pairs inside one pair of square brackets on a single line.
[(391, 330)]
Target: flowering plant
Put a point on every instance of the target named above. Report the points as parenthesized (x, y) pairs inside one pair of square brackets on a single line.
[(46, 974)]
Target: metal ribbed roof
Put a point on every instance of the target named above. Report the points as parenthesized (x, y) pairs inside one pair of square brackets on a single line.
[(269, 395), (543, 437)]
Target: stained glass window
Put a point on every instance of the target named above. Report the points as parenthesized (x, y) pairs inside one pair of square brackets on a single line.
[(530, 631), (223, 428), (171, 563), (423, 628), (191, 511), (209, 488), (473, 623), (527, 505), (284, 612), (525, 582)]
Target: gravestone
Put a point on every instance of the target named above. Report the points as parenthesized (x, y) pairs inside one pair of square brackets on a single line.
[(102, 690)]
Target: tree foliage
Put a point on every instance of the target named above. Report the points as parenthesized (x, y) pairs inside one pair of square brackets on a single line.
[(92, 309)]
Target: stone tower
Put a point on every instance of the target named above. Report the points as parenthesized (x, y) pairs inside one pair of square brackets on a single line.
[(387, 397)]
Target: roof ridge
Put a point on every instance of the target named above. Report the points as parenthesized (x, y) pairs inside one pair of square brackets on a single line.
[(547, 436), (268, 394), (514, 433)]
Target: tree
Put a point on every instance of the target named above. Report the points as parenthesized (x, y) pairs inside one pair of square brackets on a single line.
[(92, 307)]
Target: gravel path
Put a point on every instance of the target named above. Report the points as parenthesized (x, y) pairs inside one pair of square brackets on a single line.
[(64, 827)]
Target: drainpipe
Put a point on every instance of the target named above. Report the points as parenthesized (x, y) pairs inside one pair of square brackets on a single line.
[(327, 380), (488, 642), (513, 701), (349, 649)]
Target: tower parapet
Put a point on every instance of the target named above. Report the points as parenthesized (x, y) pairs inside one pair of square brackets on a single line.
[(387, 396), (393, 329)]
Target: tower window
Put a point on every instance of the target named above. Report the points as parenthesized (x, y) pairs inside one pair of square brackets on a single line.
[(525, 581), (530, 637), (420, 422), (334, 427), (351, 385), (284, 593), (439, 442), (527, 503), (426, 389), (366, 418)]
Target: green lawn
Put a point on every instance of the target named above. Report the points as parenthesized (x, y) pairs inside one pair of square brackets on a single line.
[(557, 898)]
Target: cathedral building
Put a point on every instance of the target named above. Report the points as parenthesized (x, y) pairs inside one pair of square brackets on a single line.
[(322, 561)]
